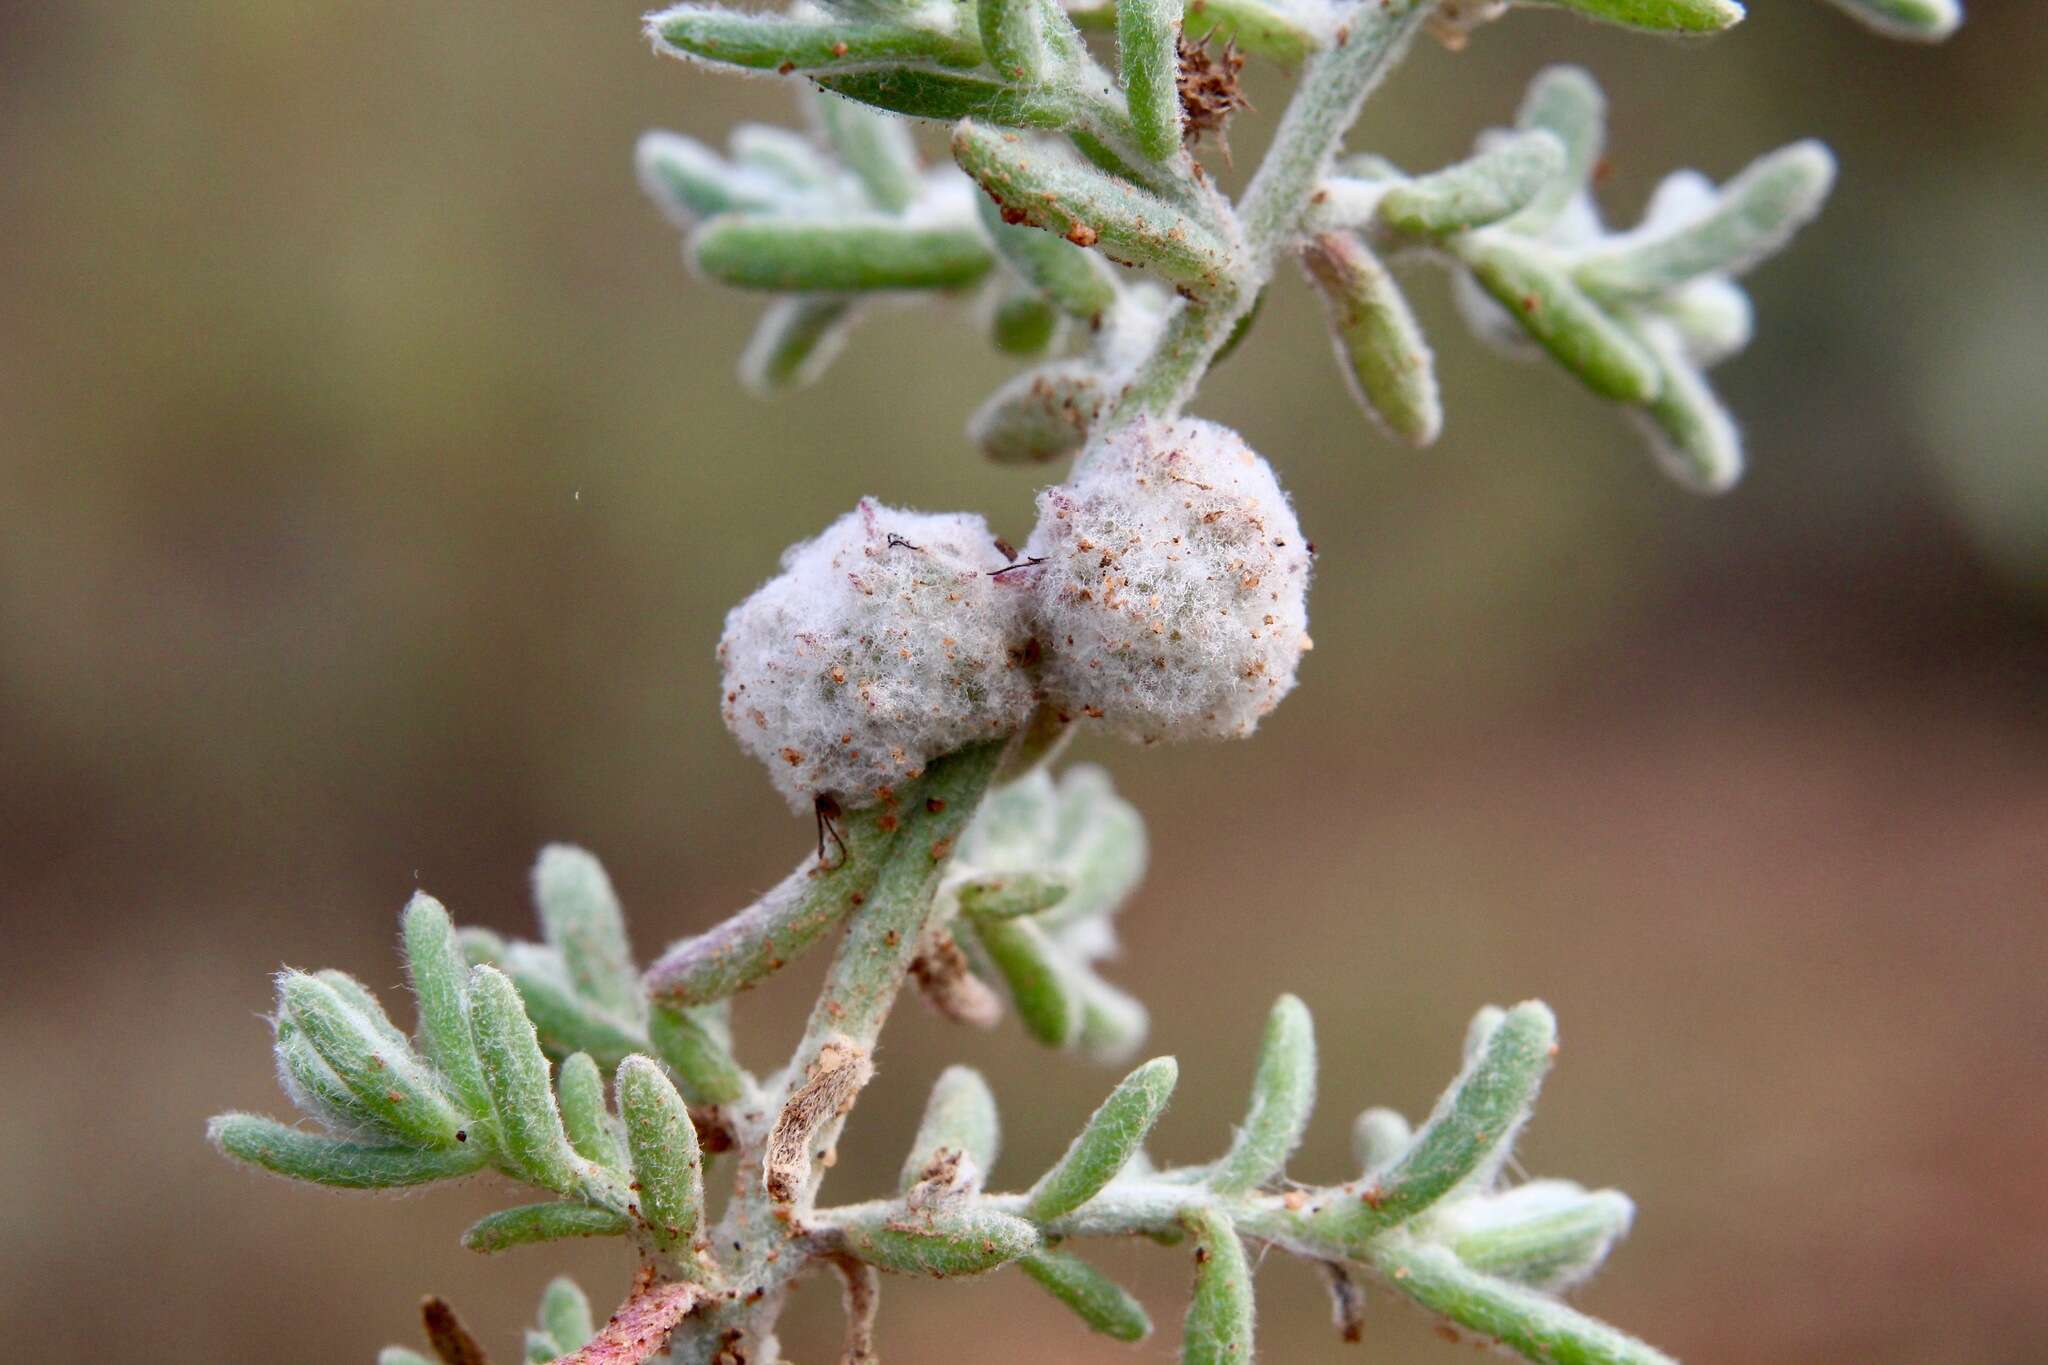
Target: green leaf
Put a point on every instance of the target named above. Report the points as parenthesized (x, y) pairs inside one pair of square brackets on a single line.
[(1113, 1023), (1099, 1301), (1010, 896), (1147, 33), (531, 1223), (1661, 16), (530, 1136), (694, 1042), (842, 254), (581, 919), (1691, 434), (1283, 1096), (1378, 1137), (1106, 1145), (1471, 1130), (1531, 1323), (1080, 282), (875, 146), (566, 1022), (358, 997), (779, 42), (1536, 290), (1038, 184), (288, 1151), (666, 1165), (565, 1314), (391, 1087), (1266, 30), (585, 1120), (945, 97), (1501, 180), (782, 155), (434, 961), (1040, 415), (690, 182), (1548, 1234), (1024, 324), (1039, 977), (1386, 360), (1218, 1329), (1753, 217), (959, 1117), (1013, 33), (940, 1244), (795, 342), (1565, 102), (1921, 21)]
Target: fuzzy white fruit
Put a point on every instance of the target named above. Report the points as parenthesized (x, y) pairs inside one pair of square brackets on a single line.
[(884, 643), (1173, 600)]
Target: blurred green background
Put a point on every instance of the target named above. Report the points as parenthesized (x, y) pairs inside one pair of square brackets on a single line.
[(372, 482)]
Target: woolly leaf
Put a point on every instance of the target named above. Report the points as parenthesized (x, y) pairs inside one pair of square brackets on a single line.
[(1218, 1329), (1097, 1300), (581, 919), (1037, 184), (696, 1044), (1566, 103), (288, 1151), (1113, 1135), (1078, 281), (585, 1120), (434, 961), (565, 1314), (1662, 16), (530, 1136), (945, 96), (875, 147), (390, 1086), (1922, 21), (1753, 216), (690, 182), (940, 1244), (1536, 1325), (667, 1169), (843, 254), (1283, 1096), (1548, 1234), (1388, 363), (1013, 32), (1023, 323), (960, 1117), (1147, 34), (531, 1223), (780, 42), (795, 342), (1041, 414), (1692, 435), (1501, 180), (1540, 295), (1040, 979), (1378, 1137)]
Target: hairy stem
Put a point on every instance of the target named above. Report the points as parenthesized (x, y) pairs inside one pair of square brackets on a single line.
[(753, 1242), (1333, 90)]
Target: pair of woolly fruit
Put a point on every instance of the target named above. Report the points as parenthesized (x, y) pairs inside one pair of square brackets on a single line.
[(1163, 595)]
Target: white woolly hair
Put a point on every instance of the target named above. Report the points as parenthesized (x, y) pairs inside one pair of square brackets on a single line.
[(885, 642), (1172, 603)]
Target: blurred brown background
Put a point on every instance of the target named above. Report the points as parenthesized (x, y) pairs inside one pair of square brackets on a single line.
[(372, 481)]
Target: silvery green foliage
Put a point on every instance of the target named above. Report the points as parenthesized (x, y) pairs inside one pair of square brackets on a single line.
[(887, 640), (909, 680), (1173, 600)]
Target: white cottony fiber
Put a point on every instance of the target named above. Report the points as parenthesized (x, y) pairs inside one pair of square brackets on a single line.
[(1172, 603), (885, 642)]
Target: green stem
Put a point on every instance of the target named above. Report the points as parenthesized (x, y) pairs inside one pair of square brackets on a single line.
[(1333, 90), (753, 1242)]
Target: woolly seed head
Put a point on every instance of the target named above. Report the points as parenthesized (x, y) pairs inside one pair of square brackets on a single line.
[(1172, 603), (883, 643)]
